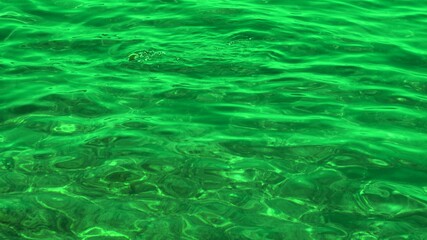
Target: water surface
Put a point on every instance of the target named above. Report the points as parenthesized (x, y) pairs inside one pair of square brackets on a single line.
[(185, 119)]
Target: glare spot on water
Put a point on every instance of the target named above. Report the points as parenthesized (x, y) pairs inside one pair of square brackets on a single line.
[(65, 128), (378, 162), (114, 163)]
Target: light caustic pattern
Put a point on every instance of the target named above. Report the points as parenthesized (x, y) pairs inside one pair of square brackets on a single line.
[(192, 119)]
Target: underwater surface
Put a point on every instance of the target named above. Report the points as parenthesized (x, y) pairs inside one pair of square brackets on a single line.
[(213, 120)]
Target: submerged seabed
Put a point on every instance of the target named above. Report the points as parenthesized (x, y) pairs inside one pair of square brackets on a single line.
[(213, 119)]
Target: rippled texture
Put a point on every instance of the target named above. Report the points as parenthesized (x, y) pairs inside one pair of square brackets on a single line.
[(184, 119)]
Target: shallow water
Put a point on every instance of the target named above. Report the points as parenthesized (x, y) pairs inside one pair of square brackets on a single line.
[(184, 119)]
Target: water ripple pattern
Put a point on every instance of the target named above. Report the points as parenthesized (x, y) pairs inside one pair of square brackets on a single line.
[(196, 119)]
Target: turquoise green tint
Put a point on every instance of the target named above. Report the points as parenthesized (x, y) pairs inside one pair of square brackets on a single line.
[(213, 119)]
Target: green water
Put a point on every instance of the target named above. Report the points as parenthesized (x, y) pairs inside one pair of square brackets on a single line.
[(213, 120)]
